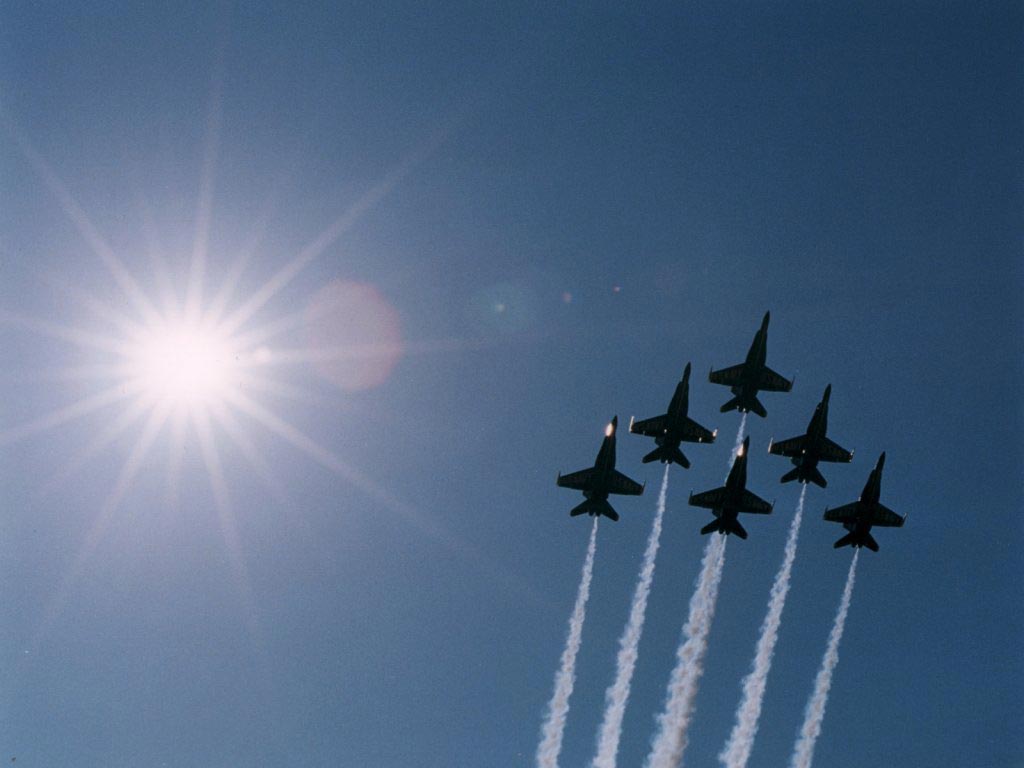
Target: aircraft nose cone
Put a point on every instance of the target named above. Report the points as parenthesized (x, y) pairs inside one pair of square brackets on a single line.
[(828, 392), (767, 317), (881, 460), (686, 371)]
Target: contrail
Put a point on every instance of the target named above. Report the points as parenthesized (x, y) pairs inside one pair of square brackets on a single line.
[(558, 707), (670, 742), (618, 693), (739, 439), (804, 749), (736, 752), (667, 750)]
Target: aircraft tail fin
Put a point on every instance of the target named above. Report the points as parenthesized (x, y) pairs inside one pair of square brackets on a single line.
[(790, 476), (595, 507), (667, 455), (724, 526), (817, 478), (755, 406)]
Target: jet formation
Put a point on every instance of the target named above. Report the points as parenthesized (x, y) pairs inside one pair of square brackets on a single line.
[(675, 426)]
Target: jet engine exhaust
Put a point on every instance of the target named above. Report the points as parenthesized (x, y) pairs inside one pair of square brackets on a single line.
[(803, 751), (673, 723), (736, 751), (669, 744), (558, 708), (617, 694), (740, 434)]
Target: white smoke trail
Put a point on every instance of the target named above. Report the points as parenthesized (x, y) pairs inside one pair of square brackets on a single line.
[(558, 708), (815, 713), (739, 439), (669, 744), (618, 693), (736, 752)]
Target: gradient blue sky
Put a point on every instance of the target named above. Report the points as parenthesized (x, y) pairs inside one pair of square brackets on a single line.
[(857, 171)]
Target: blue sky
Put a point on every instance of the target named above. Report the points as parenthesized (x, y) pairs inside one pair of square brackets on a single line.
[(561, 207)]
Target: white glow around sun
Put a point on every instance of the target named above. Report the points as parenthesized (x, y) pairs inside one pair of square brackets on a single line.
[(184, 365)]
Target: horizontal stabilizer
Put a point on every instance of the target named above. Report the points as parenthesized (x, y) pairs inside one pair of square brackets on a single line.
[(805, 475), (709, 528), (846, 541), (790, 476), (732, 405), (853, 540), (722, 525), (595, 507), (755, 405), (667, 455), (744, 405)]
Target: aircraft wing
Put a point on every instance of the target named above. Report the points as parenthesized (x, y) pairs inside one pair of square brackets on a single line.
[(844, 514), (791, 447), (708, 499), (695, 433), (885, 517), (654, 427), (830, 451), (581, 480), (751, 502), (770, 381), (619, 483), (730, 377)]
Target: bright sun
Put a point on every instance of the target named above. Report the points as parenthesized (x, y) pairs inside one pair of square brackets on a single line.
[(184, 365)]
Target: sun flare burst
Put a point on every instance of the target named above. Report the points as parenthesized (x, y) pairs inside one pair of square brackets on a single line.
[(202, 368), (184, 365)]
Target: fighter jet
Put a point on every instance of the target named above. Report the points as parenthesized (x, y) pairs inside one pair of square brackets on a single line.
[(810, 448), (732, 498), (867, 511), (600, 480), (751, 376), (669, 429)]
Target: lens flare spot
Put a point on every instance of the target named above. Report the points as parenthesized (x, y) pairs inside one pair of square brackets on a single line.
[(353, 334)]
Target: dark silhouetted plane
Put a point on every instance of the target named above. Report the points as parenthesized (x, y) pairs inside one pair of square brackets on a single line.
[(810, 448), (867, 511), (669, 429), (600, 480), (732, 498), (751, 376)]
